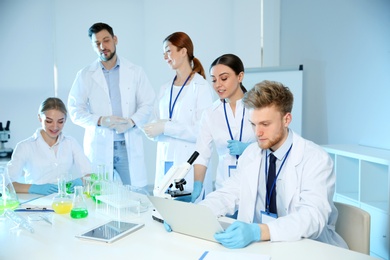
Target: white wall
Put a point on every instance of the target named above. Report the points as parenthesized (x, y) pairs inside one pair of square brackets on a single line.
[(344, 46), (345, 49), (38, 34), (26, 66)]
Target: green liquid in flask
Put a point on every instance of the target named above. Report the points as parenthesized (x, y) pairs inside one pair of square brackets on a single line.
[(79, 213), (8, 204)]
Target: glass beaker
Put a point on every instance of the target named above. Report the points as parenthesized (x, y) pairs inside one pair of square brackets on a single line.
[(62, 202), (79, 209), (8, 198)]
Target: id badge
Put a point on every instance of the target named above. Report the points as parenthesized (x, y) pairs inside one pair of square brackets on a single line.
[(167, 166), (267, 217), (232, 169)]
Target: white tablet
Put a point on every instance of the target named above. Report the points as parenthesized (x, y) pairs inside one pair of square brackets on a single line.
[(110, 231)]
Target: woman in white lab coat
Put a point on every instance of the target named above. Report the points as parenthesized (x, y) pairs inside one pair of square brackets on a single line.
[(40, 160), (179, 108), (226, 123)]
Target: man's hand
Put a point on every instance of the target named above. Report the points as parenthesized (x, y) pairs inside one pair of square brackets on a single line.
[(122, 128), (112, 121), (239, 235)]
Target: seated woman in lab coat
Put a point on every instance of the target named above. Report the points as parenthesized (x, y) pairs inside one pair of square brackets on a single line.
[(39, 160)]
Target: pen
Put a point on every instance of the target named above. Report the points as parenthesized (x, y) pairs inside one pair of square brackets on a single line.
[(24, 202)]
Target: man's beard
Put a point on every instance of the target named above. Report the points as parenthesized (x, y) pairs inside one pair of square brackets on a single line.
[(270, 143), (103, 58)]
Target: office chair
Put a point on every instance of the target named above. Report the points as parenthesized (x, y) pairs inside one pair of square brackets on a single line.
[(353, 225)]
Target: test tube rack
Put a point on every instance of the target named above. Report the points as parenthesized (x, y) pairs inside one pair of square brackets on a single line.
[(118, 202)]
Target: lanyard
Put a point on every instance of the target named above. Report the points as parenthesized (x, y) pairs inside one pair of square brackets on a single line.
[(268, 196), (228, 125), (171, 107)]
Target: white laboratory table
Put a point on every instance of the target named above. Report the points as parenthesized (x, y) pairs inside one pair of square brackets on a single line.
[(58, 241)]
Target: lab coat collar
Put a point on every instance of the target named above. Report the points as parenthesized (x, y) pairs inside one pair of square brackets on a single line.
[(295, 158), (219, 102), (117, 64)]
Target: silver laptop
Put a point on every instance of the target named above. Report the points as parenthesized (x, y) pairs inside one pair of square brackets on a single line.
[(188, 218)]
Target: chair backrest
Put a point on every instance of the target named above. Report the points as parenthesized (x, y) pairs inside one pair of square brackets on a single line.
[(353, 225)]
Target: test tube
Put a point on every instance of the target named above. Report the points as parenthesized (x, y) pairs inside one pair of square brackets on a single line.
[(18, 219)]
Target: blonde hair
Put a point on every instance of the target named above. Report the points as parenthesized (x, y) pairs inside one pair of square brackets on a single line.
[(269, 93), (52, 103)]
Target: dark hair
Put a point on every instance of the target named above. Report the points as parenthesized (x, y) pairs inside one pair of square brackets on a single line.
[(182, 40), (52, 103), (269, 93), (97, 27), (233, 62)]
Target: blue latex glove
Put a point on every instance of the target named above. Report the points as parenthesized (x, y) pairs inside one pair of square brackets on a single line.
[(239, 235), (44, 189), (76, 182), (167, 227), (237, 147), (186, 198), (198, 186)]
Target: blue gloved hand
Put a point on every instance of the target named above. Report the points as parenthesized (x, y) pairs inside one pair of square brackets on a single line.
[(44, 189), (237, 147), (198, 186), (186, 198), (167, 227), (239, 235), (75, 182)]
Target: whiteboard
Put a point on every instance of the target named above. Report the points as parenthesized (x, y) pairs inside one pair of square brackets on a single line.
[(291, 77)]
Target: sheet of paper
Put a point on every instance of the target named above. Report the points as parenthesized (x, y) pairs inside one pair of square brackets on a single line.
[(217, 255)]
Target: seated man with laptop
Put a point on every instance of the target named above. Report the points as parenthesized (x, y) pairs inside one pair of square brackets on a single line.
[(284, 185)]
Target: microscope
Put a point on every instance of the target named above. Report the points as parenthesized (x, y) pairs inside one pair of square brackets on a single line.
[(4, 137), (175, 177)]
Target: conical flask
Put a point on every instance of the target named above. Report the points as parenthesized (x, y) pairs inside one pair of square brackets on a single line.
[(79, 207), (62, 202), (8, 198)]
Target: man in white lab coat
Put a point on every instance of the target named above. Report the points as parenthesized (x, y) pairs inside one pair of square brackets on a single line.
[(112, 99), (298, 203)]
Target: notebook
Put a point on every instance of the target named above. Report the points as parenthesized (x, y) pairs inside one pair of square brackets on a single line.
[(188, 218)]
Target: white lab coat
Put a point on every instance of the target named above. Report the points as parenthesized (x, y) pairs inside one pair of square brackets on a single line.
[(305, 192), (89, 99), (213, 129), (35, 162), (177, 143)]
